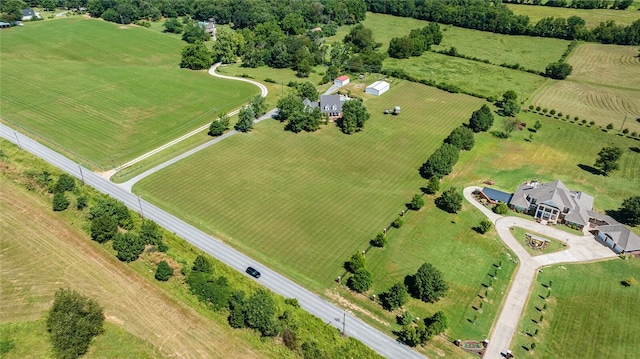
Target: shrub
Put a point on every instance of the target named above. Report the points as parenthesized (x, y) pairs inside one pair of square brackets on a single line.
[(545, 110), (538, 108), (501, 208), (81, 202), (592, 123), (417, 202), (60, 202), (64, 183), (434, 185), (583, 121), (530, 107), (379, 241), (630, 282), (610, 126), (576, 118), (397, 223), (395, 297), (552, 112), (128, 246), (625, 131), (484, 226), (202, 264), (567, 116), (163, 271), (559, 114), (356, 262), (270, 80)]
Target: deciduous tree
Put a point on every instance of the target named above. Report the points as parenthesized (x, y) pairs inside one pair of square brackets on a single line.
[(356, 262), (417, 202), (163, 272), (450, 201), (245, 119), (428, 284), (607, 160), (461, 137), (630, 210), (196, 57), (441, 162), (103, 228), (72, 322), (128, 246), (395, 297), (60, 202), (481, 120), (219, 125), (354, 115), (558, 70), (360, 281)]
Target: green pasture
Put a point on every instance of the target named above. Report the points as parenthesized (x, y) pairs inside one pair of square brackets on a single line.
[(592, 17), (590, 313), (530, 52), (552, 246), (103, 92), (477, 77), (302, 203), (560, 150), (31, 340)]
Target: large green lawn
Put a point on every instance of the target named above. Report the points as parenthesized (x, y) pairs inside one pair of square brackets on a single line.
[(302, 203), (590, 313), (103, 92)]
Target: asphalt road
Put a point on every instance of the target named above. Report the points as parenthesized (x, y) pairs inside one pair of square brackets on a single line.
[(311, 302)]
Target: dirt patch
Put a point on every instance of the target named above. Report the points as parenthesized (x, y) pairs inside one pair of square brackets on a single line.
[(343, 302)]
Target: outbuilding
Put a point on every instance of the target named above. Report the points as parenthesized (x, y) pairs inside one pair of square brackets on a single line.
[(342, 80), (377, 88)]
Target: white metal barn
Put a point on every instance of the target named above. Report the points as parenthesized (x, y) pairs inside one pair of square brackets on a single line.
[(377, 88)]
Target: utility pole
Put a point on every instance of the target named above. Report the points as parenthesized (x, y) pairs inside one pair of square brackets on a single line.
[(81, 175), (140, 203), (17, 139), (344, 323)]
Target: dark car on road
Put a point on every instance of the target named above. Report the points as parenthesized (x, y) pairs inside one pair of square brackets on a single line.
[(253, 272)]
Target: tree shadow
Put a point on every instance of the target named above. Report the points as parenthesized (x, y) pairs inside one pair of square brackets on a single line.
[(525, 347), (590, 169), (635, 149)]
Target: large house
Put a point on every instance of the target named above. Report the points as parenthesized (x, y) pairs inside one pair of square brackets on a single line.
[(330, 105), (553, 202)]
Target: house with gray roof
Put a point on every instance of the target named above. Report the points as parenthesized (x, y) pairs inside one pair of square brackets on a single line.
[(29, 14), (330, 105), (553, 202)]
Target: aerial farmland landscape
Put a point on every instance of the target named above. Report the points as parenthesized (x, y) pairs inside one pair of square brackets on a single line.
[(319, 179)]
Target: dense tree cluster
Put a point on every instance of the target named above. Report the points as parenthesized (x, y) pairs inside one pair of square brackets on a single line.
[(196, 56), (489, 15), (441, 162), (416, 43), (558, 70), (72, 322), (462, 138)]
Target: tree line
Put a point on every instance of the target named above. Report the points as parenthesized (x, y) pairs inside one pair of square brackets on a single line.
[(578, 4), (488, 15)]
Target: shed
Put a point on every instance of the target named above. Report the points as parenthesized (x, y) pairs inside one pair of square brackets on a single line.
[(377, 88), (342, 80)]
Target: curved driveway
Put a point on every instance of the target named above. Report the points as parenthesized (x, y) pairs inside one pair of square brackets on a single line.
[(212, 71), (271, 279), (581, 249)]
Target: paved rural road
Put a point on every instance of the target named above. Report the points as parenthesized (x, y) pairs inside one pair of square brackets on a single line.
[(581, 249), (212, 71), (311, 302)]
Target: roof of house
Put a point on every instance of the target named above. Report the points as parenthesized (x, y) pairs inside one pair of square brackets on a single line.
[(602, 217), (342, 78), (555, 194), (496, 195), (330, 103), (622, 236), (310, 103), (378, 85), (28, 12)]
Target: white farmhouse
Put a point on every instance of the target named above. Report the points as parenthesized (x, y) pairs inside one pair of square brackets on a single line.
[(377, 88)]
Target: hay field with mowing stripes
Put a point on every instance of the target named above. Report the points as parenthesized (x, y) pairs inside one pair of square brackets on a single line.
[(103, 92), (302, 203)]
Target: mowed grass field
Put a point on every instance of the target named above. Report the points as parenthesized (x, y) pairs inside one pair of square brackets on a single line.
[(593, 17), (103, 92), (42, 252), (302, 203), (590, 313), (604, 87)]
